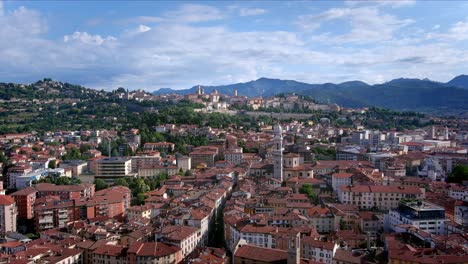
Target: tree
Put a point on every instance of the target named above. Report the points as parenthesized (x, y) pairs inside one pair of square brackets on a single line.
[(100, 184), (308, 190), (140, 198), (52, 164), (459, 174), (121, 182)]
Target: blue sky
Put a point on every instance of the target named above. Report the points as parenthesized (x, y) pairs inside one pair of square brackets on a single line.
[(149, 45)]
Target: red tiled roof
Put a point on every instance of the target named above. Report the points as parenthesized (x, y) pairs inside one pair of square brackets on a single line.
[(110, 250), (178, 233), (152, 249), (261, 254), (6, 200)]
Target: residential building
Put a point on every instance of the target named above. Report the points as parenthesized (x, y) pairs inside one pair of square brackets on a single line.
[(110, 169), (341, 179), (139, 162), (317, 250), (250, 254), (8, 214), (77, 166), (378, 196), (183, 162), (233, 156), (322, 219), (185, 237), (204, 155), (106, 254), (139, 211), (25, 200), (461, 213)]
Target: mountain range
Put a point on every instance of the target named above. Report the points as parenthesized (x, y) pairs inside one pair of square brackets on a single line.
[(405, 94)]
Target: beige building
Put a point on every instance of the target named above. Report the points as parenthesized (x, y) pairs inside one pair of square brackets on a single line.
[(155, 170), (139, 162), (382, 197), (113, 168), (184, 162), (139, 211), (8, 214)]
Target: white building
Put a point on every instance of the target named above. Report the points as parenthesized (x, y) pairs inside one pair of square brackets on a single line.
[(184, 162), (8, 214), (423, 215), (319, 251), (233, 156), (458, 193), (341, 179), (185, 237), (461, 213)]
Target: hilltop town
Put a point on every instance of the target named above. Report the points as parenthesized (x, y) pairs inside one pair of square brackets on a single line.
[(216, 178)]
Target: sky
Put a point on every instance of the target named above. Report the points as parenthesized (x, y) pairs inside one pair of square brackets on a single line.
[(150, 45)]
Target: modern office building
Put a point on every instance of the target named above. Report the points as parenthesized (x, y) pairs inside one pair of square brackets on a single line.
[(422, 215)]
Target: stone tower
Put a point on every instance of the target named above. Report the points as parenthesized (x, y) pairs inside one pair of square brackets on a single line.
[(200, 90), (278, 153), (294, 248)]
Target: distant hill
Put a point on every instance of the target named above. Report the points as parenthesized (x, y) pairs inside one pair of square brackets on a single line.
[(47, 89), (459, 81), (399, 94)]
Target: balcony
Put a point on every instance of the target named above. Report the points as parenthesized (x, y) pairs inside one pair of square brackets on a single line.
[(46, 226), (46, 220)]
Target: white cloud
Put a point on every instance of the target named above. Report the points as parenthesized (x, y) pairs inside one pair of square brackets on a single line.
[(179, 54), (86, 38), (367, 24), (143, 28), (188, 13), (459, 30), (145, 19), (391, 3), (251, 11), (192, 13)]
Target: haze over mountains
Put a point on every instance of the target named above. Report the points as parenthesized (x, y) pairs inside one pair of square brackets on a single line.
[(399, 94)]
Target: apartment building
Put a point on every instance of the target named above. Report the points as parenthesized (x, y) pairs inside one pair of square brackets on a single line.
[(204, 154), (185, 237), (25, 200), (378, 196), (317, 250), (8, 214), (110, 169), (153, 252), (341, 179)]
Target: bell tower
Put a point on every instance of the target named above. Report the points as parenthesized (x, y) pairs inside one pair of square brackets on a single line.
[(294, 248), (278, 153)]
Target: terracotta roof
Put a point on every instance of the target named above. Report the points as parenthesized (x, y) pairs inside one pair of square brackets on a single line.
[(261, 254), (178, 233), (152, 249), (25, 191), (109, 250), (6, 200)]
